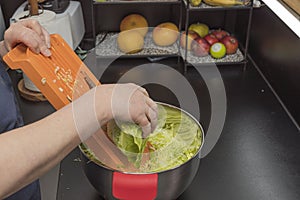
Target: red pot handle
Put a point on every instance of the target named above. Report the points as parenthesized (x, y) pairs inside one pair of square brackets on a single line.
[(134, 186)]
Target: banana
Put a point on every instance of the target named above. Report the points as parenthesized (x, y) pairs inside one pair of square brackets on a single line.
[(226, 2), (195, 3)]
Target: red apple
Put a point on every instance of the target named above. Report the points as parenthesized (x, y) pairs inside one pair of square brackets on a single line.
[(231, 44), (219, 33), (191, 36), (200, 47), (211, 38)]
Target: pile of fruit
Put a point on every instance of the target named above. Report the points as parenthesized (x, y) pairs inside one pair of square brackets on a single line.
[(202, 41), (134, 28)]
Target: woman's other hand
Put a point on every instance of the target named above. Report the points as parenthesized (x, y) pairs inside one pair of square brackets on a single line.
[(30, 33)]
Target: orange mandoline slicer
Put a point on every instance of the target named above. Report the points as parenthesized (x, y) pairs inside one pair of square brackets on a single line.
[(61, 78)]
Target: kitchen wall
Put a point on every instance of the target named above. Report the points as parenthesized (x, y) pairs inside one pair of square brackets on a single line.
[(276, 51), (9, 7), (86, 6)]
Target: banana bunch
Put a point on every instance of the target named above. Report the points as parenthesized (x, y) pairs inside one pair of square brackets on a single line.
[(226, 2), (195, 3)]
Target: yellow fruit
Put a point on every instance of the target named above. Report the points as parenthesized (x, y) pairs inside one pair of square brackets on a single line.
[(200, 28), (165, 34), (195, 3), (130, 41), (226, 2), (134, 21)]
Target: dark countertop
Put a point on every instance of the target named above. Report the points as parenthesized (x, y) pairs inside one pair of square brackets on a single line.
[(256, 157)]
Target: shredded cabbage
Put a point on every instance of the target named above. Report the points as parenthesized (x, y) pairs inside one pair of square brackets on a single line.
[(176, 139)]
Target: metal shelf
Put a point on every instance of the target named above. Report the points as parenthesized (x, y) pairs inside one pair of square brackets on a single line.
[(238, 58), (204, 6), (234, 58), (110, 2), (106, 46)]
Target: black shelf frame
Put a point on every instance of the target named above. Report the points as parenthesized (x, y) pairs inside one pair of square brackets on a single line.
[(187, 9), (244, 49)]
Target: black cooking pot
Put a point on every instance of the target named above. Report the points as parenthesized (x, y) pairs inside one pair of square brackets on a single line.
[(165, 185)]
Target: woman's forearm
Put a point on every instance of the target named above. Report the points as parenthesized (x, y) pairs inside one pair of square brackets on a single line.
[(28, 152)]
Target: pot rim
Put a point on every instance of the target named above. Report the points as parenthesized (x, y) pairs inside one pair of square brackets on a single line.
[(141, 173)]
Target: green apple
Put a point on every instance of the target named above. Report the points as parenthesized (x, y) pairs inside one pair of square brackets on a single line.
[(218, 50), (200, 28)]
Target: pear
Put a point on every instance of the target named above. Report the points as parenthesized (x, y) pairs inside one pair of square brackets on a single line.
[(200, 28), (195, 3)]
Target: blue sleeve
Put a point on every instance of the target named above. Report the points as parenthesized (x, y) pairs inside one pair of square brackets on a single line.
[(10, 116)]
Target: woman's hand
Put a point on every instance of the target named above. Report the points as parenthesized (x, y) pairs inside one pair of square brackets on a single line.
[(29, 32), (128, 102)]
